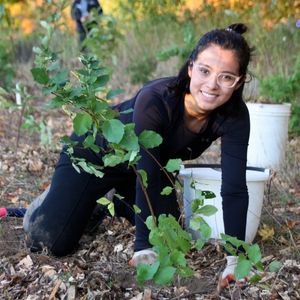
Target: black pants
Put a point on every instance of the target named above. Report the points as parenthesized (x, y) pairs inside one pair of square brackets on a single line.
[(61, 219)]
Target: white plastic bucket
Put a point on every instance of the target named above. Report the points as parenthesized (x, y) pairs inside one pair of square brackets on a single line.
[(208, 178), (268, 134)]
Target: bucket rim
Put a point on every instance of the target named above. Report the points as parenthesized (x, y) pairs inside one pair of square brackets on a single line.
[(214, 172)]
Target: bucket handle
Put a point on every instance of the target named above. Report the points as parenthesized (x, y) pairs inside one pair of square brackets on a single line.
[(188, 166)]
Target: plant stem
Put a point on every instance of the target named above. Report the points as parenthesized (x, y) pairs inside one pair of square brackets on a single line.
[(146, 195)]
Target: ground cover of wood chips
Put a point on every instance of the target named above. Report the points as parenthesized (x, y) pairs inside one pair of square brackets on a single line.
[(99, 269)]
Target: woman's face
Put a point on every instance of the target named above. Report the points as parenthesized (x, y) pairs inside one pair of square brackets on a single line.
[(214, 77)]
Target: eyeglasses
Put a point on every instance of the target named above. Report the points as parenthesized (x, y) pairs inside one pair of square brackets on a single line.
[(224, 80)]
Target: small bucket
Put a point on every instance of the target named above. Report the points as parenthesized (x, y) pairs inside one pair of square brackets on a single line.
[(268, 134), (209, 178)]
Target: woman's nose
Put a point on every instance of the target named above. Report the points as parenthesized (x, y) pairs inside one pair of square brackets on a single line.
[(212, 81)]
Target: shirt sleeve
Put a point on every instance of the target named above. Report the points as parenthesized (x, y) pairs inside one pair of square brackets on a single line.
[(234, 162)]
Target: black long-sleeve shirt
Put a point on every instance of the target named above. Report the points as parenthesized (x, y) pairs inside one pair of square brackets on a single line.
[(155, 108)]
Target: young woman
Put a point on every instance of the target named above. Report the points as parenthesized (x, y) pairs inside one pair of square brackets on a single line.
[(202, 103)]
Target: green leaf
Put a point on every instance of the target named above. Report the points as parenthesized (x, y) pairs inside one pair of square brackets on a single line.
[(166, 191), (113, 130), (207, 210), (205, 231), (150, 223), (146, 272), (275, 266), (111, 208), (150, 139), (130, 140), (144, 177), (56, 102), (177, 257), (164, 275), (82, 123), (111, 160), (40, 75), (173, 165), (103, 201), (195, 222), (233, 240), (137, 210), (76, 168), (196, 203), (254, 254), (112, 93), (101, 81), (255, 278), (200, 244), (243, 268), (61, 78), (208, 194)]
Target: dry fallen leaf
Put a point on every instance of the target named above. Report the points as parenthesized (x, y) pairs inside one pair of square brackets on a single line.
[(26, 262), (291, 223)]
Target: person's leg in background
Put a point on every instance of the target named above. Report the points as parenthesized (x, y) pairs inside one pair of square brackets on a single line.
[(62, 217)]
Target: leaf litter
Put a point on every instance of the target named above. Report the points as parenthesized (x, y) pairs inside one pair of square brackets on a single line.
[(99, 269)]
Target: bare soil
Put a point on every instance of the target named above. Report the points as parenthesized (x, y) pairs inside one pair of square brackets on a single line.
[(99, 267)]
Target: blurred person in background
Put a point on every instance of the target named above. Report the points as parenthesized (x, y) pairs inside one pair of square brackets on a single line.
[(81, 11)]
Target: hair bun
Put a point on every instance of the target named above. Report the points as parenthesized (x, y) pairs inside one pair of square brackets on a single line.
[(238, 28)]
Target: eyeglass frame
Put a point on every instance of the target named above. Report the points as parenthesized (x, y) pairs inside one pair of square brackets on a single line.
[(237, 78)]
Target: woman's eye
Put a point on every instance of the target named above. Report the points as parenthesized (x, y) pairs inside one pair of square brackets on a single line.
[(227, 77), (203, 71)]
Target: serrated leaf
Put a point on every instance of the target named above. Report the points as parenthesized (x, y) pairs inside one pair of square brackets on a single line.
[(275, 266), (173, 165), (166, 191), (164, 275), (113, 130), (150, 139), (40, 75), (82, 123)]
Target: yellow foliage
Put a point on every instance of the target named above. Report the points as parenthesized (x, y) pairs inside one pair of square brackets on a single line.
[(23, 13), (266, 232)]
